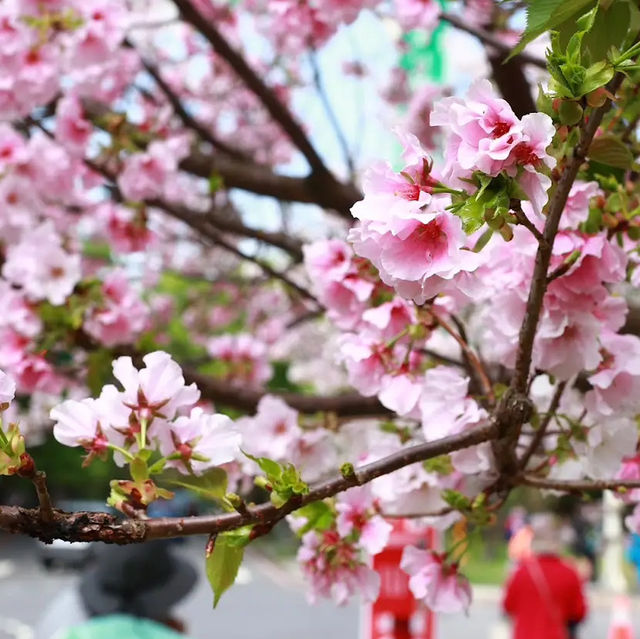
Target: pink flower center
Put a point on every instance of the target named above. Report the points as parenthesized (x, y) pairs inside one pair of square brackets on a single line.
[(280, 428), (33, 57), (500, 129), (408, 192), (430, 232), (524, 154)]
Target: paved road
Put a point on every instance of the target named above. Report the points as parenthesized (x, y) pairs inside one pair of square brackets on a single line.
[(269, 603)]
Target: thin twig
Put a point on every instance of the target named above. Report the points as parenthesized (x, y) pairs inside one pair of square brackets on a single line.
[(573, 486), (276, 108), (542, 430), (525, 221), (331, 115), (469, 354), (490, 39), (187, 119)]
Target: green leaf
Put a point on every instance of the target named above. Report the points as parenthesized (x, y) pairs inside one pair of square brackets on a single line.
[(610, 29), (223, 562), (285, 480), (270, 468), (210, 485), (138, 469), (456, 499), (319, 516), (544, 15), (216, 182), (597, 75), (612, 151)]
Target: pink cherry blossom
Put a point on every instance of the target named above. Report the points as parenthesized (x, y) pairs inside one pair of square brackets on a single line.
[(272, 431), (332, 568), (356, 514), (202, 441), (435, 582), (121, 317), (482, 130), (576, 210), (78, 424), (7, 389), (417, 14), (244, 358), (616, 382), (42, 267), (144, 174), (418, 257), (158, 389), (73, 130), (126, 228)]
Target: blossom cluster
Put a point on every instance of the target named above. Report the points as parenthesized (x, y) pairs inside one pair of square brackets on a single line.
[(335, 560), (154, 410), (43, 42)]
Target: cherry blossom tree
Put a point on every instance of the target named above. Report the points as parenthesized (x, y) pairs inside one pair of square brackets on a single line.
[(411, 337)]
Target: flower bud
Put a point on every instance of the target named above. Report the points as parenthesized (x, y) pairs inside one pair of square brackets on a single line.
[(597, 98)]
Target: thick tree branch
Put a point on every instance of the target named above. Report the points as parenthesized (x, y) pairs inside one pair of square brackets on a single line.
[(107, 528), (247, 399), (246, 175), (262, 180), (543, 256)]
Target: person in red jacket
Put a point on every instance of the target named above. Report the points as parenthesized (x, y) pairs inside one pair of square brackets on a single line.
[(544, 595)]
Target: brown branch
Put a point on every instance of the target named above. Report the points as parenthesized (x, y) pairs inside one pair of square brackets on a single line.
[(542, 430), (104, 527), (475, 365), (254, 83), (230, 224), (573, 486), (543, 256), (262, 180), (39, 479), (187, 119), (516, 207), (247, 399), (247, 175)]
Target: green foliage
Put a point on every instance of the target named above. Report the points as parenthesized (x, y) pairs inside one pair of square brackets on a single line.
[(216, 182), (280, 379), (99, 367), (612, 151), (544, 15), (211, 485), (491, 203), (441, 465), (223, 561), (282, 480), (319, 516), (456, 499)]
